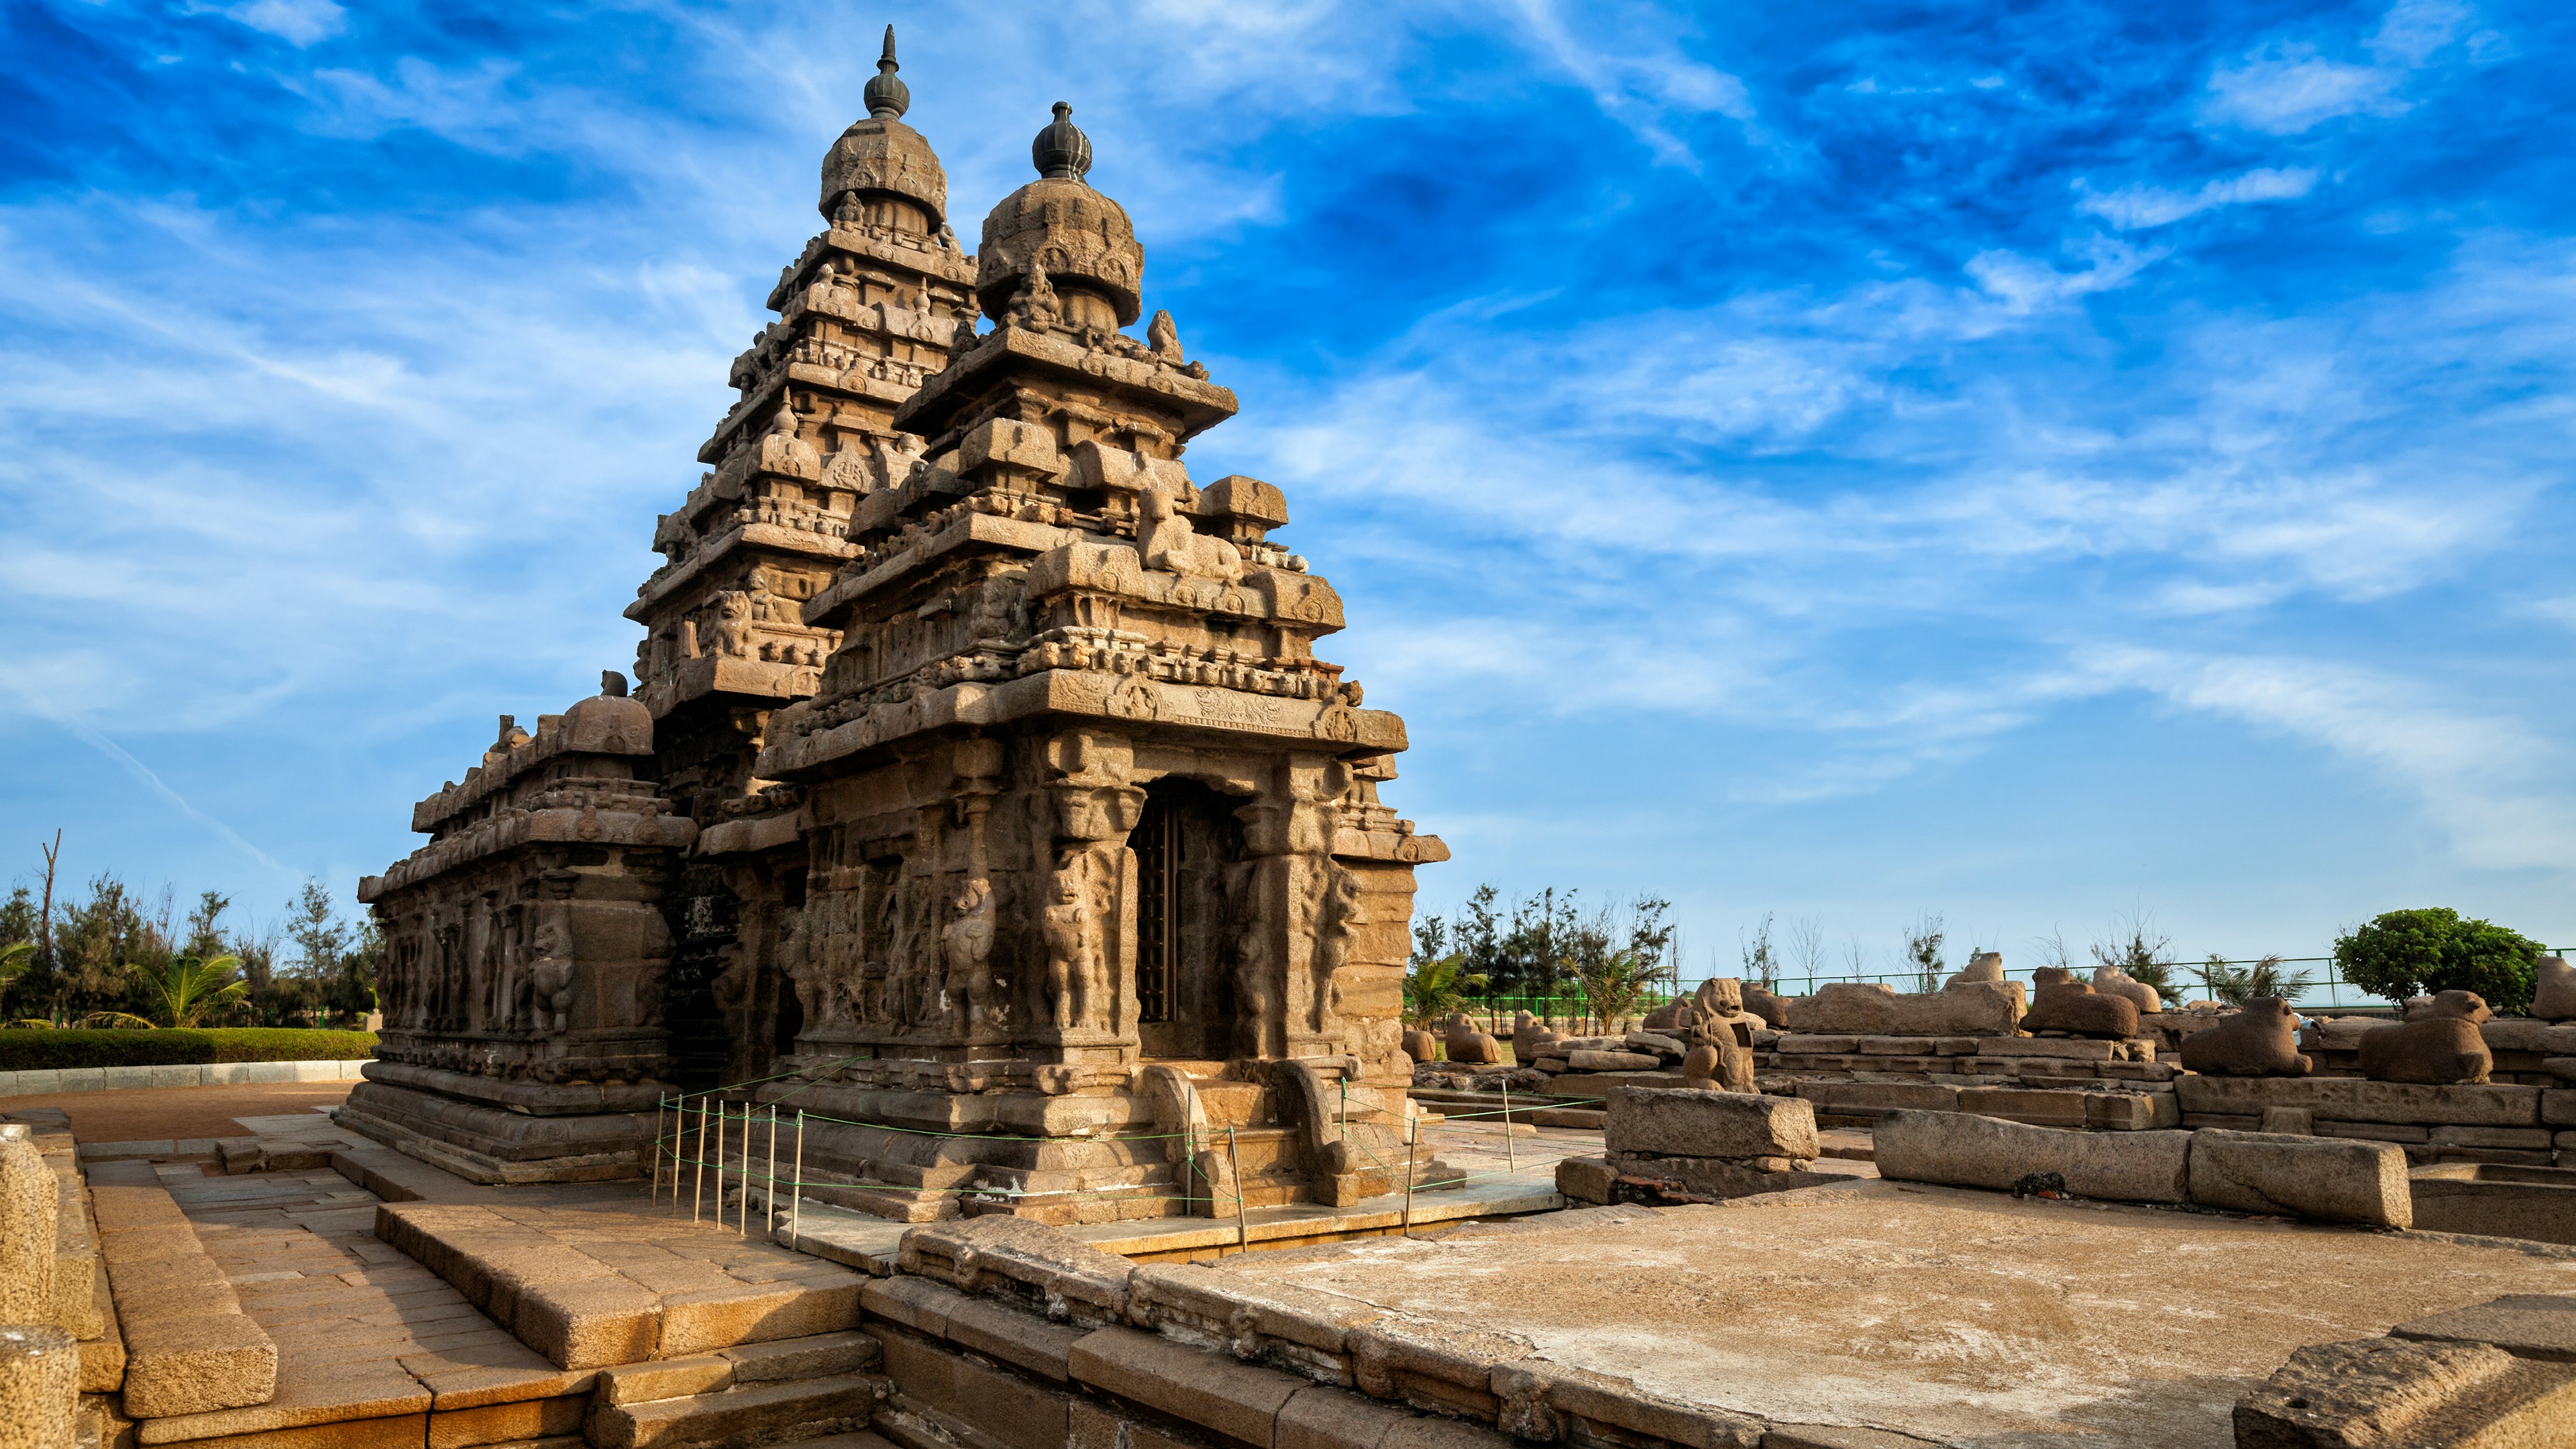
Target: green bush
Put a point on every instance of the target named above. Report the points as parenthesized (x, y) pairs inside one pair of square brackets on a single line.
[(32, 1049), (2409, 953)]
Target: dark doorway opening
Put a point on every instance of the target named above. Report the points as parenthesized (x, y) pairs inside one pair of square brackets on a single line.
[(1185, 842)]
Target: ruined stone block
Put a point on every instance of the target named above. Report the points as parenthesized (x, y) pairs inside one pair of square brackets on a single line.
[(1971, 1151), (2314, 1177), (1700, 1123), (2383, 1393)]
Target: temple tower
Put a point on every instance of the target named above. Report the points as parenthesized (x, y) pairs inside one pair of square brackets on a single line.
[(1094, 862), (865, 313)]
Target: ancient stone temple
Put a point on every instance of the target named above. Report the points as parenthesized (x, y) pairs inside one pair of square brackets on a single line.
[(1000, 812), (866, 312)]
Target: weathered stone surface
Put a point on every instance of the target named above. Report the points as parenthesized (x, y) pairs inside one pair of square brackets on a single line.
[(1762, 1003), (28, 1208), (1715, 1177), (1698, 1123), (755, 1414), (1585, 1179), (2385, 1393), (2131, 1111), (2257, 1040), (2437, 1050), (2526, 1325), (2054, 1048), (1850, 1099), (1583, 1061), (1973, 1008), (187, 1365), (39, 1387), (2554, 995), (2289, 1122), (2075, 1008), (2347, 1099), (1025, 1259), (2314, 1177), (2113, 981), (2466, 1006), (1970, 1151), (1234, 1399)]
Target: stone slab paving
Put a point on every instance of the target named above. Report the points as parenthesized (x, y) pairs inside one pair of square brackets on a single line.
[(368, 1341), (601, 1276), (1961, 1315)]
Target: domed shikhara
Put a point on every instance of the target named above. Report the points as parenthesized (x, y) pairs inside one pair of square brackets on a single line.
[(1081, 239), (881, 165)]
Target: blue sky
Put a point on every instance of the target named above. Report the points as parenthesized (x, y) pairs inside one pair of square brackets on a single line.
[(2032, 463)]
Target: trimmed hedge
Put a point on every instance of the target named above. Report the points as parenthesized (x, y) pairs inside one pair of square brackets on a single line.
[(32, 1049)]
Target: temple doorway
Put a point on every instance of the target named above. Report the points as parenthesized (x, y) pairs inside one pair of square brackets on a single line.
[(1185, 842)]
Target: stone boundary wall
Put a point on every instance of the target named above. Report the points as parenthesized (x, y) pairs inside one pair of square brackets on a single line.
[(1019, 1335), (46, 1081)]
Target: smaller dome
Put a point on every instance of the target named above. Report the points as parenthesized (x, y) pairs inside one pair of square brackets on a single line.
[(883, 155), (1058, 222), (1061, 152)]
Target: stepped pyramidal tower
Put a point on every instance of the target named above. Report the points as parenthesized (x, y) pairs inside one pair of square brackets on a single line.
[(982, 797)]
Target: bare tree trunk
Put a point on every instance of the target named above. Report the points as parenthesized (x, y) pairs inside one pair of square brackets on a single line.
[(45, 921)]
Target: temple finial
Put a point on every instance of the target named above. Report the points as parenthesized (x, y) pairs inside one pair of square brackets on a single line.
[(1061, 151), (887, 96)]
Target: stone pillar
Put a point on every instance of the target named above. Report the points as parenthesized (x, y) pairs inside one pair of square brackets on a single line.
[(39, 1382), (27, 1210)]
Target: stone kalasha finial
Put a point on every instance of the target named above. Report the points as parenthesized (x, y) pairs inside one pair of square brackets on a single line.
[(1061, 152), (887, 96)]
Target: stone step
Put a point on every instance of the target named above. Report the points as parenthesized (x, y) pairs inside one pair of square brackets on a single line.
[(733, 1418), (823, 1355), (860, 1439)]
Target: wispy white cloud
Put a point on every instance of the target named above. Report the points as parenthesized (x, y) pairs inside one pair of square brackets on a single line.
[(299, 23), (2496, 784), (2136, 208), (2287, 89)]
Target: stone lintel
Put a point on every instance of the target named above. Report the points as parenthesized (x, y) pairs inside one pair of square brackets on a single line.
[(752, 836), (621, 828), (1400, 847), (1150, 386), (753, 679), (1136, 705), (966, 529), (766, 536)]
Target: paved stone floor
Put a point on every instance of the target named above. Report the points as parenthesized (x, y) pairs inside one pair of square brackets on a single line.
[(362, 1332), (1940, 1311)]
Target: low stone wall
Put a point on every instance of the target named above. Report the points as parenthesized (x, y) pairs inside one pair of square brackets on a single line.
[(82, 1306), (2485, 1122), (48, 1081), (1002, 1331)]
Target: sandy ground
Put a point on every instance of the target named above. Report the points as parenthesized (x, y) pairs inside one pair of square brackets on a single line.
[(1956, 1315), (151, 1114)]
